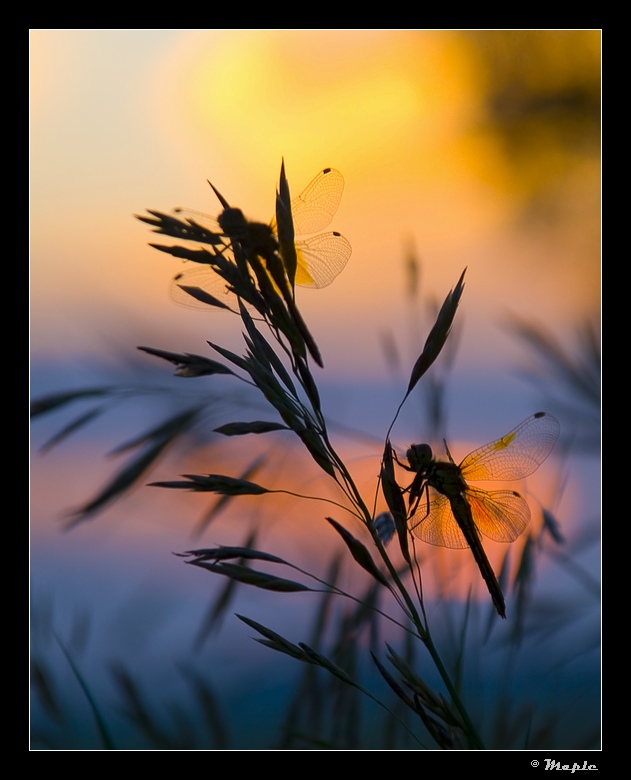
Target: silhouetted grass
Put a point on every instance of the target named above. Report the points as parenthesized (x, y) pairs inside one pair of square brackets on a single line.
[(419, 688)]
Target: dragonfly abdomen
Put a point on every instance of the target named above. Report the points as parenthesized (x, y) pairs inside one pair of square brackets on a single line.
[(462, 514)]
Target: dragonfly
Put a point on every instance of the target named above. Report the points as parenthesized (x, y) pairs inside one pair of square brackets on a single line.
[(445, 510), (320, 257)]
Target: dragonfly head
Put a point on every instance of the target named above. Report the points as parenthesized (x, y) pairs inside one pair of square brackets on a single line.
[(233, 222), (419, 456)]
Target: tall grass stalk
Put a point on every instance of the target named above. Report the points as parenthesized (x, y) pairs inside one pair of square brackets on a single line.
[(261, 273), (258, 267)]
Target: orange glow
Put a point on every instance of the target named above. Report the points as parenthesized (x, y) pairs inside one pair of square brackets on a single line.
[(293, 527), (298, 94), (459, 149), (400, 113)]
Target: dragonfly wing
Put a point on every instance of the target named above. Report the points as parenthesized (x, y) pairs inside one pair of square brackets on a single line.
[(437, 526), (501, 515), (201, 224), (312, 210), (205, 279), (316, 205), (515, 455), (321, 258)]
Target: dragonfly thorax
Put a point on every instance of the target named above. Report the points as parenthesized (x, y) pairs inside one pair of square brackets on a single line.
[(255, 236), (442, 475), (445, 477)]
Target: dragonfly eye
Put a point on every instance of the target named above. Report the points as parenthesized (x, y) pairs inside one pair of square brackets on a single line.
[(419, 456)]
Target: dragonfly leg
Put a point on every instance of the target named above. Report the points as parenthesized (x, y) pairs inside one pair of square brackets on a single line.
[(417, 489)]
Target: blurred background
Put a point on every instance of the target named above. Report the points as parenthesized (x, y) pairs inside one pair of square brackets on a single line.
[(460, 149)]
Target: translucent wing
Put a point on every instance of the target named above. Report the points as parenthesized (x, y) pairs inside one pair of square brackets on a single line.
[(316, 205), (501, 515), (515, 455), (197, 219), (204, 278), (321, 258), (438, 526), (312, 210)]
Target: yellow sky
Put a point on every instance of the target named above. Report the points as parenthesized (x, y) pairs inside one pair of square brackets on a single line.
[(123, 120)]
